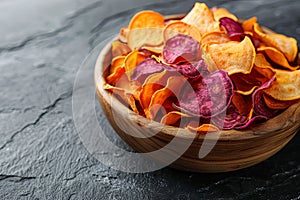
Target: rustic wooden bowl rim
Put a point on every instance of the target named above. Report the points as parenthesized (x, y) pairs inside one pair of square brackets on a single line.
[(283, 121)]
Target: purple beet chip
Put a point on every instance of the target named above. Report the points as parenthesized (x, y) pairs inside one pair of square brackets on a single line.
[(260, 107), (145, 68), (193, 71), (181, 48), (232, 28), (210, 97), (231, 120)]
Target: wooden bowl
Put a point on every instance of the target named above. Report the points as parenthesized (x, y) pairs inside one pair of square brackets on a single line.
[(234, 149)]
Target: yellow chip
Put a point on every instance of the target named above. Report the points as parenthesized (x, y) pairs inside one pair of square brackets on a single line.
[(222, 12), (286, 86), (286, 45), (202, 18), (179, 27), (277, 57), (147, 19), (138, 38), (155, 49), (233, 57), (123, 34)]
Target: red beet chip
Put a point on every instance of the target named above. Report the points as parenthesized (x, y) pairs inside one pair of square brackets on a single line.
[(181, 48)]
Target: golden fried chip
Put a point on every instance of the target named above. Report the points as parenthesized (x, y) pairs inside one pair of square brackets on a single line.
[(202, 18), (222, 12), (147, 19), (179, 27), (277, 57), (233, 57), (284, 44), (286, 86), (119, 49)]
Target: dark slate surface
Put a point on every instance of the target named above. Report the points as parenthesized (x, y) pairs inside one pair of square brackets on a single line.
[(42, 45)]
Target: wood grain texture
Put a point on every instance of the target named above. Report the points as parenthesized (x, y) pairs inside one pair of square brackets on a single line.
[(234, 149)]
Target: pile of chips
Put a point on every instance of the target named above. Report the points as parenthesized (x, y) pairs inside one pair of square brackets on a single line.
[(204, 72)]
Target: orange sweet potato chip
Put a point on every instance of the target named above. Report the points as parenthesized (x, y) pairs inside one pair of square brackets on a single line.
[(247, 83), (126, 97), (115, 76), (147, 19), (119, 49), (153, 83), (243, 103), (223, 12), (116, 63), (286, 86), (173, 87), (203, 129), (214, 38), (132, 60), (179, 27), (172, 117), (145, 28), (286, 45), (277, 104), (248, 24), (202, 18), (233, 57), (261, 61), (277, 57)]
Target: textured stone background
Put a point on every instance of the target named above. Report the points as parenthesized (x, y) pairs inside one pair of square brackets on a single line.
[(42, 45)]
